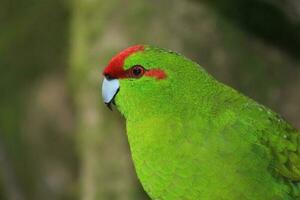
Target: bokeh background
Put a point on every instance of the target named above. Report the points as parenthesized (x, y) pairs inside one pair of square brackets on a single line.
[(57, 139)]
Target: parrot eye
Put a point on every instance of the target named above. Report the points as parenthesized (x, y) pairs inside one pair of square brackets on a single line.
[(136, 71)]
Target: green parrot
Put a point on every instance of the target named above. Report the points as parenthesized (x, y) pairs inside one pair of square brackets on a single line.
[(194, 138)]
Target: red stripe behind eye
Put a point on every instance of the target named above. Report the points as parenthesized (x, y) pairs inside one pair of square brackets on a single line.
[(156, 73)]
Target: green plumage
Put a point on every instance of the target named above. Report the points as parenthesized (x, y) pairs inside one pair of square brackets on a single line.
[(193, 138)]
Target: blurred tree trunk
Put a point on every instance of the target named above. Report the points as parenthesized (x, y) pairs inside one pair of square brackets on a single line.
[(106, 171)]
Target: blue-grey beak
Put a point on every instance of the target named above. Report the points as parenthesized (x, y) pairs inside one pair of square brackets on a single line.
[(110, 88)]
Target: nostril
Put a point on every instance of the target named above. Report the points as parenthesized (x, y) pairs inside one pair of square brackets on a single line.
[(108, 77)]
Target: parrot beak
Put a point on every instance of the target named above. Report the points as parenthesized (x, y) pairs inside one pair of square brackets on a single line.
[(110, 88)]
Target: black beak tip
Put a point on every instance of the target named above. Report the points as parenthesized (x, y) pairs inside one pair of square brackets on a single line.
[(109, 106)]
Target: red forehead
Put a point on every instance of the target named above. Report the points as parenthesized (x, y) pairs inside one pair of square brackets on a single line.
[(115, 66)]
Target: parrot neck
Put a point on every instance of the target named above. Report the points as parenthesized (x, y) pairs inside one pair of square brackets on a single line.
[(170, 110)]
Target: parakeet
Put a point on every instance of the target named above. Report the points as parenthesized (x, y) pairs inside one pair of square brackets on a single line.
[(194, 138)]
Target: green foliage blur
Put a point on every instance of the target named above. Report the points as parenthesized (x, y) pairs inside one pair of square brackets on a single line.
[(59, 141)]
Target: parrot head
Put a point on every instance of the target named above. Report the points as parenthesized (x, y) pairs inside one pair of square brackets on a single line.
[(144, 79)]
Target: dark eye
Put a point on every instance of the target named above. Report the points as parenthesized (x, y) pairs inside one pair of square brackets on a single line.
[(137, 71)]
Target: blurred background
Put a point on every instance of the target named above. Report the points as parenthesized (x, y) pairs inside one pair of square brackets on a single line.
[(57, 139)]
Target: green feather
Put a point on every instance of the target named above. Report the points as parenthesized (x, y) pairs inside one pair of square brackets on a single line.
[(192, 137)]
